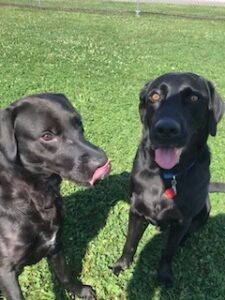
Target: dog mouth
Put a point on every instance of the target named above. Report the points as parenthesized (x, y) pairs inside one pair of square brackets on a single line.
[(100, 173), (167, 158)]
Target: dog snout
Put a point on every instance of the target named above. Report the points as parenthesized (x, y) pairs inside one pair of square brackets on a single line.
[(100, 166), (98, 160), (94, 157), (167, 128)]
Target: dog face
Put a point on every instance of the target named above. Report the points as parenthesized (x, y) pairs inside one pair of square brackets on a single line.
[(44, 133), (177, 110)]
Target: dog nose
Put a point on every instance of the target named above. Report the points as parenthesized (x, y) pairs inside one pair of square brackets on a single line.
[(99, 160), (167, 128), (102, 169)]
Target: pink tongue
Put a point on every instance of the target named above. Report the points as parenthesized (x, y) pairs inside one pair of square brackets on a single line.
[(101, 173), (167, 158)]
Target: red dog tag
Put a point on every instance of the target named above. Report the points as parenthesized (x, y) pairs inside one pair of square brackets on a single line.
[(169, 194)]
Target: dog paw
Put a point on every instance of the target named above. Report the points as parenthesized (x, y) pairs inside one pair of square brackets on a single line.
[(88, 293), (71, 296), (85, 292), (165, 275), (120, 265)]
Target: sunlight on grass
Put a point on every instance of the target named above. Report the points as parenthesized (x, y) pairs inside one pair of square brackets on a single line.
[(101, 62)]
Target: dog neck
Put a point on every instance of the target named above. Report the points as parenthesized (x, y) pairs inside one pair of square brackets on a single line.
[(169, 175)]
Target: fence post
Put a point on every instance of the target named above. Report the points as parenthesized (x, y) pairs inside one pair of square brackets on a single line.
[(137, 8)]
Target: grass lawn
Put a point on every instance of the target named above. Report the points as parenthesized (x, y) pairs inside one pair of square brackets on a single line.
[(101, 62), (121, 7)]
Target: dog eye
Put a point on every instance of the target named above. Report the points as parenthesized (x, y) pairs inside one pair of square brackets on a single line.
[(48, 136), (194, 98), (154, 97)]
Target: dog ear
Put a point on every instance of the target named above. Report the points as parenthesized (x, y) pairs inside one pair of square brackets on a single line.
[(216, 108), (8, 145), (143, 100)]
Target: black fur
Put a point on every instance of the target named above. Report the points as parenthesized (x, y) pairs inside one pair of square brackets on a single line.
[(178, 111), (41, 141)]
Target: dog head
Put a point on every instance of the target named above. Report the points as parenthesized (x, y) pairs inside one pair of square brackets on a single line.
[(177, 110), (44, 134)]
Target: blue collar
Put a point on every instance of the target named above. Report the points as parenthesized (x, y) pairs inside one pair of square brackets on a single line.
[(170, 175)]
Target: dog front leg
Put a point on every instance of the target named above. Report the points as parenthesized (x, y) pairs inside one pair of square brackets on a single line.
[(60, 268), (176, 233), (9, 285), (136, 228)]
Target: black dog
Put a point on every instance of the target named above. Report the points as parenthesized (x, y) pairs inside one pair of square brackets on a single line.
[(170, 176), (41, 141)]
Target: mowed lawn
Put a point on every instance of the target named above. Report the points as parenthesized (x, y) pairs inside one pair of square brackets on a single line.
[(101, 62)]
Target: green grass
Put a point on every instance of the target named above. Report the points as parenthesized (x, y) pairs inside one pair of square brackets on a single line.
[(101, 62), (121, 7)]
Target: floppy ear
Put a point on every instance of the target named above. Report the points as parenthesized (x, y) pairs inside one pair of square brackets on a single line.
[(216, 108), (8, 146), (143, 99)]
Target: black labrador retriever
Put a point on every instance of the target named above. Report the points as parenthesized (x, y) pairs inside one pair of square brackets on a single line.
[(170, 175), (41, 141)]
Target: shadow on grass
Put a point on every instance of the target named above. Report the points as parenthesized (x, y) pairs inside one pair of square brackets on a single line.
[(85, 214), (198, 267)]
